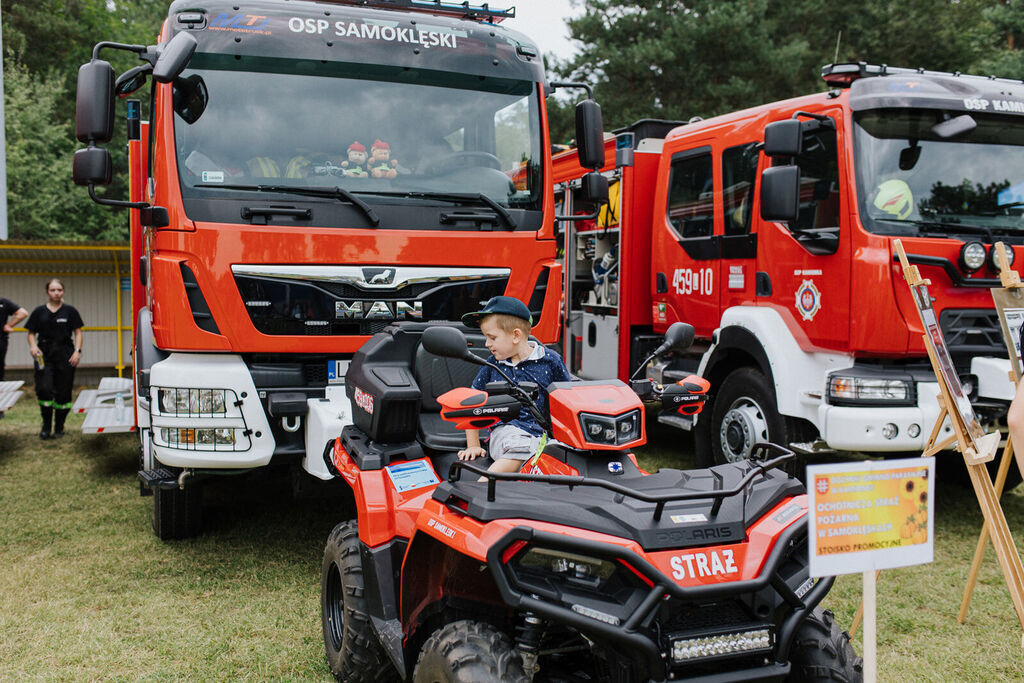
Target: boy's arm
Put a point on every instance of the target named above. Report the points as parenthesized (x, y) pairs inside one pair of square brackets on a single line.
[(473, 449)]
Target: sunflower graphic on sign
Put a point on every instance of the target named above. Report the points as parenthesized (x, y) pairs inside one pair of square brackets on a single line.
[(808, 300)]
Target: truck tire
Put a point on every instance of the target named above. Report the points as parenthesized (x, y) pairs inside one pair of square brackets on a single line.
[(468, 652), (354, 653), (743, 413), (822, 652), (177, 513)]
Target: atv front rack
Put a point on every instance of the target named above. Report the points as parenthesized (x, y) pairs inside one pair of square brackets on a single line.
[(784, 455)]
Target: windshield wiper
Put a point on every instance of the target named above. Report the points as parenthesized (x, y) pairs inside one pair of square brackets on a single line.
[(328, 192), (951, 227), (456, 197)]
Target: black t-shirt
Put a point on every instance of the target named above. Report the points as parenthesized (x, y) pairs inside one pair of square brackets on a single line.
[(7, 309), (53, 328)]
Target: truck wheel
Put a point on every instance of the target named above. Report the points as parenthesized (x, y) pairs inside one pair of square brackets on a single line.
[(822, 652), (742, 414), (468, 652), (353, 652), (177, 513)]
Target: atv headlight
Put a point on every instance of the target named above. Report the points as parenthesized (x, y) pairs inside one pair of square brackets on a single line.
[(847, 390), (603, 430), (599, 583)]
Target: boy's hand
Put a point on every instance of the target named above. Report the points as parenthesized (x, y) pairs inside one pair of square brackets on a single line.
[(472, 453)]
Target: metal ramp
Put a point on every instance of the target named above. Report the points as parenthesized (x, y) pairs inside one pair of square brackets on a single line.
[(102, 414), (102, 420), (10, 392)]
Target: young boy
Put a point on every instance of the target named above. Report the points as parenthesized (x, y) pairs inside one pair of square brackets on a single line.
[(506, 322)]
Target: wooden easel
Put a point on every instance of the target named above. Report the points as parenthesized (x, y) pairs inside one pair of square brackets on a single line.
[(1012, 290), (977, 449)]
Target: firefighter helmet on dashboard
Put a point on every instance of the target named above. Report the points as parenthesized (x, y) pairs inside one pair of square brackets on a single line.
[(895, 197)]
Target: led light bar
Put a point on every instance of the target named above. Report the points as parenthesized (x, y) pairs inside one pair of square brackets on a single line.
[(689, 649)]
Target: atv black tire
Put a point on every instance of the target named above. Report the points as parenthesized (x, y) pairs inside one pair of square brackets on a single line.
[(822, 652), (177, 513), (468, 652), (353, 652)]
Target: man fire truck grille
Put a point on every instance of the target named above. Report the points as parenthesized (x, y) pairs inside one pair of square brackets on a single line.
[(318, 304)]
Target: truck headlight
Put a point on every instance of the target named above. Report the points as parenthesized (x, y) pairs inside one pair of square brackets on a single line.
[(203, 439), (848, 390), (972, 256), (192, 402)]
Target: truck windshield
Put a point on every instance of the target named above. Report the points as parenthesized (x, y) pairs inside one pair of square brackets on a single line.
[(383, 133), (912, 180)]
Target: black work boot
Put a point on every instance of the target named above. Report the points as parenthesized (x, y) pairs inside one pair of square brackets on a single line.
[(47, 412), (60, 415)]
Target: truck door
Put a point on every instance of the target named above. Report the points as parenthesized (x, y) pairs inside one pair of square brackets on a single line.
[(685, 253), (804, 266), (738, 285)]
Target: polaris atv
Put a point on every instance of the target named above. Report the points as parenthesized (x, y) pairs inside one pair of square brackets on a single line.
[(581, 566)]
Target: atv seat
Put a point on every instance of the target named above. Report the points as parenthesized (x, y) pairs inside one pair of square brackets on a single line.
[(436, 375)]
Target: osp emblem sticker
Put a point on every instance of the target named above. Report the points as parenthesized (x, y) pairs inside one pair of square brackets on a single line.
[(808, 300)]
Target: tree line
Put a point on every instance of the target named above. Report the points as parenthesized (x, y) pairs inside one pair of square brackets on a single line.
[(669, 59)]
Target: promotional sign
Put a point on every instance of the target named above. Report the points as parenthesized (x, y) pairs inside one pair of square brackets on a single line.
[(870, 515)]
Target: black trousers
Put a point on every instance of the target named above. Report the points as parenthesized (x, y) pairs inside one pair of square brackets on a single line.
[(3, 354), (55, 380)]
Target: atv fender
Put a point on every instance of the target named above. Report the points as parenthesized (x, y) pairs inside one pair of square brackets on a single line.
[(384, 512), (380, 584), (439, 582)]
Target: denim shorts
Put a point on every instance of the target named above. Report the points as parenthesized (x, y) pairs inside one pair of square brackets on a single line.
[(509, 441)]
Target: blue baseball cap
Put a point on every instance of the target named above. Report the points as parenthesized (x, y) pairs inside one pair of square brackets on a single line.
[(506, 305)]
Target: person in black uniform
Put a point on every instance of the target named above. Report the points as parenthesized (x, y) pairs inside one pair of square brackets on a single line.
[(50, 331), (8, 309)]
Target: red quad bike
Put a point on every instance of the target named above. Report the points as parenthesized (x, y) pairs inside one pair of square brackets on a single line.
[(582, 566)]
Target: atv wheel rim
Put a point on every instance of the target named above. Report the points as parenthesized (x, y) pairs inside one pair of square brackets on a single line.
[(334, 607), (742, 426)]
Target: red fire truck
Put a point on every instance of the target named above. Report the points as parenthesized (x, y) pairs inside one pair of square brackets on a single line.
[(770, 230), (312, 172)]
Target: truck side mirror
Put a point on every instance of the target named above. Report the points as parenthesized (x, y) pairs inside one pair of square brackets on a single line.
[(174, 57), (593, 189), (780, 193), (783, 138), (94, 102), (132, 79), (92, 166), (590, 135)]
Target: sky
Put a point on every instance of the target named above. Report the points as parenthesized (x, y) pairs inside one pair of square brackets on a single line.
[(544, 21)]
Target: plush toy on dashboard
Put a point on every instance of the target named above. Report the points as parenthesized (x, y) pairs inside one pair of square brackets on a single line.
[(355, 165), (381, 165)]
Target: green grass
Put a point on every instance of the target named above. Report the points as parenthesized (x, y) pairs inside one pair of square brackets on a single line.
[(87, 592)]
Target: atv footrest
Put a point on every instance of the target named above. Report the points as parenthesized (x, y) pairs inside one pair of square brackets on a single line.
[(159, 478)]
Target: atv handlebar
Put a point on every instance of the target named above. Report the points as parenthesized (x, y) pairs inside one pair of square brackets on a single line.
[(783, 455)]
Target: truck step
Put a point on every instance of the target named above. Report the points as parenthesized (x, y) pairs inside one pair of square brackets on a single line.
[(159, 478), (684, 422)]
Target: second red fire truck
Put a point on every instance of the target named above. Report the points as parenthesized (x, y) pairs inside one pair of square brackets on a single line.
[(770, 230)]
